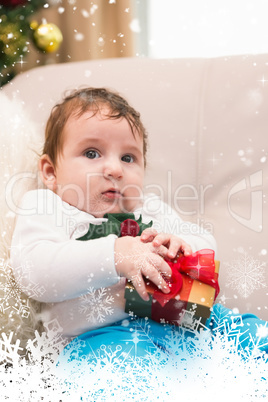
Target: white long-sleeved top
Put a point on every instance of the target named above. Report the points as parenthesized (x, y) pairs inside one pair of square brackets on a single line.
[(77, 280)]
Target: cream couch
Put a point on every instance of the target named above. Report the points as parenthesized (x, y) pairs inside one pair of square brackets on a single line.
[(207, 121)]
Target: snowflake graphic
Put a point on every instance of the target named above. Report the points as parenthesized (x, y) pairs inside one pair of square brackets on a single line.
[(14, 297), (212, 361), (48, 344), (96, 304), (33, 290), (245, 275), (9, 351), (142, 333), (189, 321)]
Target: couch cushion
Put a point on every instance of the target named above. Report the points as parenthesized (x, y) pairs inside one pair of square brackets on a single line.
[(207, 122)]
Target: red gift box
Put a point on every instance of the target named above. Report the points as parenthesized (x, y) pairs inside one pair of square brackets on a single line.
[(193, 289)]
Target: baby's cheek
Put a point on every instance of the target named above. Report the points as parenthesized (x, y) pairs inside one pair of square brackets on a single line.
[(73, 195), (131, 203)]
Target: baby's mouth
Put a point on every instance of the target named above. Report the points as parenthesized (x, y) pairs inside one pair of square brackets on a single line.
[(112, 194)]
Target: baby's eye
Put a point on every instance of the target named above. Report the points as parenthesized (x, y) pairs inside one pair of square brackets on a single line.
[(127, 158), (92, 154)]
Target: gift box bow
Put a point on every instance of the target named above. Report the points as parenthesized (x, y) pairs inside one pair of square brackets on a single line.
[(199, 266)]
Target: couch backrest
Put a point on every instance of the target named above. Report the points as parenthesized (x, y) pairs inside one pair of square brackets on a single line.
[(207, 122)]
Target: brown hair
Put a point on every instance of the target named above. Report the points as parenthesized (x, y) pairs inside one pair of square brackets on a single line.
[(77, 103)]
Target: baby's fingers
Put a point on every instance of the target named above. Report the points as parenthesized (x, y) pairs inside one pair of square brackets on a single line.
[(177, 246), (139, 285), (161, 239), (174, 245), (154, 273), (186, 248), (153, 269), (148, 235)]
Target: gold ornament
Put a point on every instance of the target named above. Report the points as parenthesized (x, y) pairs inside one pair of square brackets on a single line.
[(47, 37)]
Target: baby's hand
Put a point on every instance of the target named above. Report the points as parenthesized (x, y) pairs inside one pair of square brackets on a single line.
[(135, 259), (173, 244)]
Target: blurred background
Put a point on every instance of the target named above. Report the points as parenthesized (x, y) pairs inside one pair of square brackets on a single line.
[(38, 32)]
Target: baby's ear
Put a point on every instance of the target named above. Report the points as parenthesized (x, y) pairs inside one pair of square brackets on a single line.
[(47, 172)]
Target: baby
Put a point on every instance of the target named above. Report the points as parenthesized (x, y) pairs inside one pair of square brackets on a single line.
[(93, 163)]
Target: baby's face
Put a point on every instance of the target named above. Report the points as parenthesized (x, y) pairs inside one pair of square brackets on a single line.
[(101, 167)]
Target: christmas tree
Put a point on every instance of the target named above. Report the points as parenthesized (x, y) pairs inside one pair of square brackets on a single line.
[(17, 30)]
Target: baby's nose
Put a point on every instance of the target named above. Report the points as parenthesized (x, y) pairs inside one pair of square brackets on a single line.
[(113, 168)]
